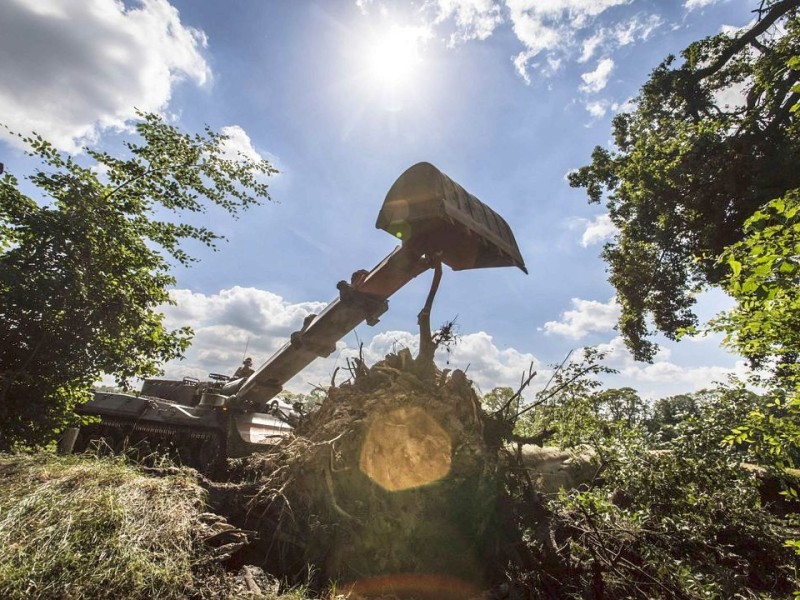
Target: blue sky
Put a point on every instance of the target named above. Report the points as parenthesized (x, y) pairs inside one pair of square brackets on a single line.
[(504, 96)]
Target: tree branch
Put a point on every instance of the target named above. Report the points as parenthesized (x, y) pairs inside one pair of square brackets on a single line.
[(775, 12), (427, 347)]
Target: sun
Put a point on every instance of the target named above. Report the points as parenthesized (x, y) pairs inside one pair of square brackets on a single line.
[(395, 57)]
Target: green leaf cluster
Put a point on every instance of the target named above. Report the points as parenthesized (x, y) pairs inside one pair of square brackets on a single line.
[(85, 266), (764, 280), (713, 137), (764, 327), (685, 520)]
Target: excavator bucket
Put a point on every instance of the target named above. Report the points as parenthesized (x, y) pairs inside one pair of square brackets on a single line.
[(427, 209)]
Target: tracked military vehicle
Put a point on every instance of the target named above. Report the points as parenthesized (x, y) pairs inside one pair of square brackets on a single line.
[(435, 219)]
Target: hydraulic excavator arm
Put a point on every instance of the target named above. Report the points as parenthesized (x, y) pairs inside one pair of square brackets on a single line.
[(364, 298), (437, 221)]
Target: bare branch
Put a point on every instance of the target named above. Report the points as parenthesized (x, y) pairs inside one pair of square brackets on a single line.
[(775, 12), (525, 381)]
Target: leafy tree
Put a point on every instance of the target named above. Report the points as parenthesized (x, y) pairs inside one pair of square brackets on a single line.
[(669, 412), (706, 192), (683, 519), (570, 408), (84, 268), (623, 405), (682, 523), (308, 402), (497, 398), (764, 325), (765, 281), (567, 410), (692, 163)]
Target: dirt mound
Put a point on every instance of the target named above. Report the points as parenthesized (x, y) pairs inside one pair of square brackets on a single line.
[(390, 480)]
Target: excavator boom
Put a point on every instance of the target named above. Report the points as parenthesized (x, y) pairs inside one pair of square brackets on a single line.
[(363, 298), (435, 218)]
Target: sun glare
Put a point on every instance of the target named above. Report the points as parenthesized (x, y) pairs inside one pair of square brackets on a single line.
[(393, 58)]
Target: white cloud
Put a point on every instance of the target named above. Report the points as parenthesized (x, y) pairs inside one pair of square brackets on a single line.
[(233, 319), (733, 30), (586, 317), (521, 65), (733, 97), (490, 366), (259, 312), (663, 375), (596, 80), (619, 357), (71, 69), (690, 5), (591, 44), (628, 105), (598, 110), (598, 230), (474, 19), (238, 144), (228, 321), (580, 12), (638, 28), (363, 5), (608, 39), (550, 28), (551, 25)]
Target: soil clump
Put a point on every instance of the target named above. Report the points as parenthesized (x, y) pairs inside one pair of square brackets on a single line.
[(390, 482)]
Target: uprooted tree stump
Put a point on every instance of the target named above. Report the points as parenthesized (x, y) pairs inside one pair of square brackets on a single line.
[(392, 476)]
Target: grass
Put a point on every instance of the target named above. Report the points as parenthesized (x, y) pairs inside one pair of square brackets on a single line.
[(85, 527), (89, 527)]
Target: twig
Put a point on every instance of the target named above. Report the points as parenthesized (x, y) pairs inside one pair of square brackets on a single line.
[(332, 493), (333, 377), (579, 373), (525, 381)]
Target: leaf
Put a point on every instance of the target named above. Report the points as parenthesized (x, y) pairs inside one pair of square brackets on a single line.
[(735, 265), (83, 277)]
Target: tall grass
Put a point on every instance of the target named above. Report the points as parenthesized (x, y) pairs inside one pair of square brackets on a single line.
[(83, 527)]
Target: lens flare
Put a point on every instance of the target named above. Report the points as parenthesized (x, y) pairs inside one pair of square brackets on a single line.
[(404, 449)]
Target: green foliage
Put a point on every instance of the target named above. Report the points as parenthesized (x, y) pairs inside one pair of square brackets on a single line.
[(772, 434), (706, 193), (765, 282), (579, 411), (714, 412), (623, 405), (682, 522), (310, 402), (764, 327), (498, 398), (690, 169), (566, 409), (668, 412), (672, 510), (84, 268)]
